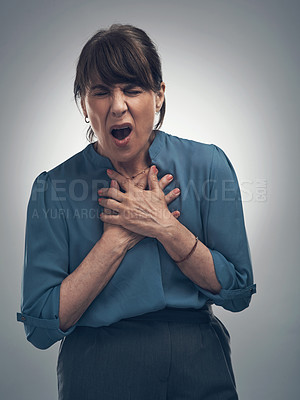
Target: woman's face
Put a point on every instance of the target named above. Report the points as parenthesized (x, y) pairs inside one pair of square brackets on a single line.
[(122, 117)]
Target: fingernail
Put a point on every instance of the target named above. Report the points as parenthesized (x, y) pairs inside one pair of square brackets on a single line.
[(176, 191), (100, 191), (169, 177), (109, 171)]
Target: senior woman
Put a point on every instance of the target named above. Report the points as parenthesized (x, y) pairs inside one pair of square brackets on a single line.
[(130, 241)]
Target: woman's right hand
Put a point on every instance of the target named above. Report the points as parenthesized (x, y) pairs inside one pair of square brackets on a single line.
[(120, 233)]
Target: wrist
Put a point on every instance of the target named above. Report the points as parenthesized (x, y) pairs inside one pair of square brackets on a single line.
[(118, 243), (134, 239), (122, 239), (168, 229)]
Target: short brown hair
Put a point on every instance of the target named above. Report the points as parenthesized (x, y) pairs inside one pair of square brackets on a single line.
[(119, 54)]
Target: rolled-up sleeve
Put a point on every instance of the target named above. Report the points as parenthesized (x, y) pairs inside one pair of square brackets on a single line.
[(46, 263), (226, 237)]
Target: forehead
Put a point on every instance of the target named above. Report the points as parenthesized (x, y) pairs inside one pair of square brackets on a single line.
[(107, 77)]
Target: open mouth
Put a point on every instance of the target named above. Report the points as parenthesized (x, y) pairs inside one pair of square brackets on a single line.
[(121, 133)]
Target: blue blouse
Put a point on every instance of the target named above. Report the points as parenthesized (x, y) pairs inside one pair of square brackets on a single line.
[(63, 225)]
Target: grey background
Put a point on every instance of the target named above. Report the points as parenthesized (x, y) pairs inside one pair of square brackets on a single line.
[(232, 74)]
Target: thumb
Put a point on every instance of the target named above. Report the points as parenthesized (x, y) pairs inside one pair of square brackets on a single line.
[(152, 178), (114, 184)]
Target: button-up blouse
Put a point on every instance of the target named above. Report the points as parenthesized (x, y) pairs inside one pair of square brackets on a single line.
[(63, 225)]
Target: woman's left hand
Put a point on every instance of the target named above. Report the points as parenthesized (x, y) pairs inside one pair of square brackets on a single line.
[(144, 212)]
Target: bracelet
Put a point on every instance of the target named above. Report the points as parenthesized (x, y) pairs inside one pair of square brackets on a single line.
[(190, 253)]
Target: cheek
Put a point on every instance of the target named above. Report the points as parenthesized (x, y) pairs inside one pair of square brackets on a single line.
[(146, 111), (96, 117), (95, 123)]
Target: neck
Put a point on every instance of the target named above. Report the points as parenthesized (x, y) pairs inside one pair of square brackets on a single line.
[(133, 167), (137, 164)]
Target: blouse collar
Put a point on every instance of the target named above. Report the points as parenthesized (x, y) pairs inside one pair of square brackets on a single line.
[(103, 162)]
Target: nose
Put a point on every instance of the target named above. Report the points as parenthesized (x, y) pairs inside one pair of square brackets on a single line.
[(118, 104)]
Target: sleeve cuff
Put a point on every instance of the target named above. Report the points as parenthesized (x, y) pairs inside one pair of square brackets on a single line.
[(42, 332), (38, 322), (234, 300)]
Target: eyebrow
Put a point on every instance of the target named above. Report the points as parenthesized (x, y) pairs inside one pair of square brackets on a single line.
[(99, 86), (128, 85)]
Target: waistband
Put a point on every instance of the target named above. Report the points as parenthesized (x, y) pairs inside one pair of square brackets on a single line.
[(171, 314)]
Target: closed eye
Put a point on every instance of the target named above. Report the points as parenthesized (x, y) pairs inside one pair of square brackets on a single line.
[(101, 93), (99, 90), (133, 92)]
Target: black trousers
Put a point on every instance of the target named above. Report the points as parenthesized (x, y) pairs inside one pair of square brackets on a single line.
[(174, 354)]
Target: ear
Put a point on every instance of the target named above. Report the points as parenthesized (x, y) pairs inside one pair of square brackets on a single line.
[(160, 96), (82, 102)]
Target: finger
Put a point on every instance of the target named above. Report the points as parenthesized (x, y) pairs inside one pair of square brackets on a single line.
[(172, 195), (110, 219), (124, 182), (165, 181), (109, 212), (176, 214), (110, 203), (114, 184), (152, 178), (112, 193)]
